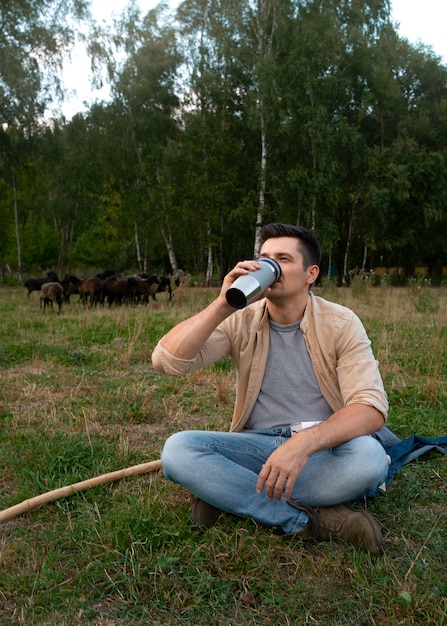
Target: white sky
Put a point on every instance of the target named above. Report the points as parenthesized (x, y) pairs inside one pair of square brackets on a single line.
[(423, 21), (420, 21)]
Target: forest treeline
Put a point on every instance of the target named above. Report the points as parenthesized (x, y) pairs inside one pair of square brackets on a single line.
[(224, 115)]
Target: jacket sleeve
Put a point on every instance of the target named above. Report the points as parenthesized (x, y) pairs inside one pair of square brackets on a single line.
[(357, 369), (215, 348)]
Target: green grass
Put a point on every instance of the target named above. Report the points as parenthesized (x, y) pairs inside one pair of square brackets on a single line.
[(79, 398)]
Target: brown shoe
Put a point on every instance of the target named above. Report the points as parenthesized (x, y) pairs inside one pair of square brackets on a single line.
[(352, 526), (204, 514), (355, 526)]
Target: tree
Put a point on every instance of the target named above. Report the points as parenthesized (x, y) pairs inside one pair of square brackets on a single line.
[(35, 35), (266, 18), (211, 111), (236, 113), (145, 87)]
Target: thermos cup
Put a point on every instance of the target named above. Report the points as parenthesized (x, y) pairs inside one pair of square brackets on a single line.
[(246, 289)]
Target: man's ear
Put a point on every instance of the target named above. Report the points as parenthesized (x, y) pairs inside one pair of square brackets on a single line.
[(313, 272)]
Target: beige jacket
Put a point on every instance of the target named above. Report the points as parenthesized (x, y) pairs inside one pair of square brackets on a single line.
[(338, 345)]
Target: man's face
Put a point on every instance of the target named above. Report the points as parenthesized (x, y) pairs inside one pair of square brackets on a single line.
[(295, 278)]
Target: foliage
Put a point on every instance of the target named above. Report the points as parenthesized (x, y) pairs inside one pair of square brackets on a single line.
[(33, 38), (225, 115)]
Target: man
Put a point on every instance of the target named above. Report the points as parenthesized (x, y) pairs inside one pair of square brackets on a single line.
[(309, 395)]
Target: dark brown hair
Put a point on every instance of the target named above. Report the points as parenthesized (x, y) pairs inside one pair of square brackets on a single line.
[(310, 247)]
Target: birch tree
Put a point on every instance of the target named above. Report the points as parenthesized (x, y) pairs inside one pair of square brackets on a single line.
[(145, 87)]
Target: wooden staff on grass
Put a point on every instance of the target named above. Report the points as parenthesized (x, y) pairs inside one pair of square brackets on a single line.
[(63, 492)]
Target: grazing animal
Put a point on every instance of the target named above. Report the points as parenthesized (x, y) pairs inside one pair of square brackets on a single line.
[(71, 286), (162, 283), (116, 289), (91, 289), (165, 283), (49, 293), (34, 284), (136, 289), (131, 289), (144, 287), (106, 274)]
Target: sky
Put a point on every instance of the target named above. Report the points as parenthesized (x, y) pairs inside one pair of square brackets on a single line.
[(420, 21)]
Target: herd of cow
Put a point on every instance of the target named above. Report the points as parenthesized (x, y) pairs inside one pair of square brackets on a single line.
[(99, 289)]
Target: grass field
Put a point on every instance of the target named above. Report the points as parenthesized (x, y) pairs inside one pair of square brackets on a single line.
[(79, 398)]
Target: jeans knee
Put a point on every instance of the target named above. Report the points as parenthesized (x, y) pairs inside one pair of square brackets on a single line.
[(177, 453), (373, 459), (169, 454)]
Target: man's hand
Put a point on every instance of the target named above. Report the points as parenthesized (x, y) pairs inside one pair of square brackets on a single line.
[(282, 468), (285, 464), (240, 269)]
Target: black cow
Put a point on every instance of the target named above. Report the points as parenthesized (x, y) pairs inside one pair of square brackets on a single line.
[(71, 286), (164, 283), (35, 284)]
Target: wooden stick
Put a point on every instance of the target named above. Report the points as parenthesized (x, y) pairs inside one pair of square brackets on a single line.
[(63, 492)]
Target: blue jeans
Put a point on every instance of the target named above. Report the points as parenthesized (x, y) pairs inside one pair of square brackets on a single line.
[(222, 468)]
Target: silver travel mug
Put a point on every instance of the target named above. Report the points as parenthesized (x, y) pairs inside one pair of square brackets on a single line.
[(246, 289)]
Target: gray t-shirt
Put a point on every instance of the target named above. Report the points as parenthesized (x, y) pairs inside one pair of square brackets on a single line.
[(289, 391)]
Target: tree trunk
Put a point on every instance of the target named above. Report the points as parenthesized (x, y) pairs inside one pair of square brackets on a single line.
[(16, 222), (365, 255), (165, 227), (346, 256), (70, 244), (209, 267), (60, 263), (265, 27), (262, 187), (137, 248)]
